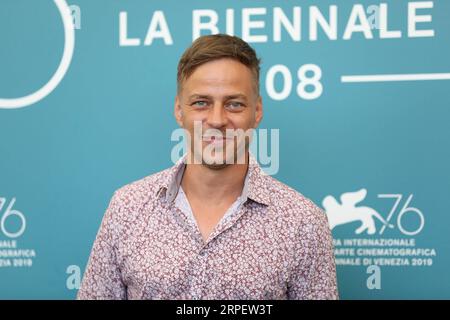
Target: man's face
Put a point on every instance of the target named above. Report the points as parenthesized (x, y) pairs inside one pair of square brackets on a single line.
[(219, 96)]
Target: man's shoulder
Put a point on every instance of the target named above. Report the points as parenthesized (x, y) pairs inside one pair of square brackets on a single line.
[(138, 192), (287, 201)]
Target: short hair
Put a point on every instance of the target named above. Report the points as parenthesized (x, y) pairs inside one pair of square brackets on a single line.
[(218, 46)]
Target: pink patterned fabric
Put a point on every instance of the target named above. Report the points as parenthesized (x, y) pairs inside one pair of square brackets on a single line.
[(277, 245)]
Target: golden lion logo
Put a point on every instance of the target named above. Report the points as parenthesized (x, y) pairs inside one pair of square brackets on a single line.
[(347, 211)]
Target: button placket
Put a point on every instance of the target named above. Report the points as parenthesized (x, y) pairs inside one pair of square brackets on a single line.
[(203, 260)]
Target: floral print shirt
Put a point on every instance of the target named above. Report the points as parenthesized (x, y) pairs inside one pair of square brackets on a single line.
[(275, 244)]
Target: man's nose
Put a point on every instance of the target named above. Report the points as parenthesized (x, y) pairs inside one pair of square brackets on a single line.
[(217, 117)]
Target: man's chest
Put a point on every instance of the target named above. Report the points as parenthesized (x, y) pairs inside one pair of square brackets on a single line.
[(248, 260)]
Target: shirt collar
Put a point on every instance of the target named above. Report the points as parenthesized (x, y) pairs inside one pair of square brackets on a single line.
[(255, 185)]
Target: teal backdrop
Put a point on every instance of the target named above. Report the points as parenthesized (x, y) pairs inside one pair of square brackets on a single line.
[(109, 121)]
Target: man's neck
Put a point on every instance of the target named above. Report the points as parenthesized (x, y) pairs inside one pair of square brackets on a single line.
[(214, 185)]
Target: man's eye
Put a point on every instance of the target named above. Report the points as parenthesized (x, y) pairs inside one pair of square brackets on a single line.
[(235, 105), (200, 104)]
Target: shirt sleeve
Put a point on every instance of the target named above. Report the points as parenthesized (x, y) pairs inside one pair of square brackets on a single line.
[(313, 274), (102, 278)]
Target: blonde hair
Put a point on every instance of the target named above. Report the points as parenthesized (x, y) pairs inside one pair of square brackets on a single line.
[(213, 47)]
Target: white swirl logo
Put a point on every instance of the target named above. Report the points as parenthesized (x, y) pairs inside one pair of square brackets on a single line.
[(69, 43)]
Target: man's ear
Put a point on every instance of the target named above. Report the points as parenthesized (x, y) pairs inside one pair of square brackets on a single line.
[(258, 111), (178, 112)]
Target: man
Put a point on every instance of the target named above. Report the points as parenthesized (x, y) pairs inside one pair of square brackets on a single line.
[(213, 226)]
